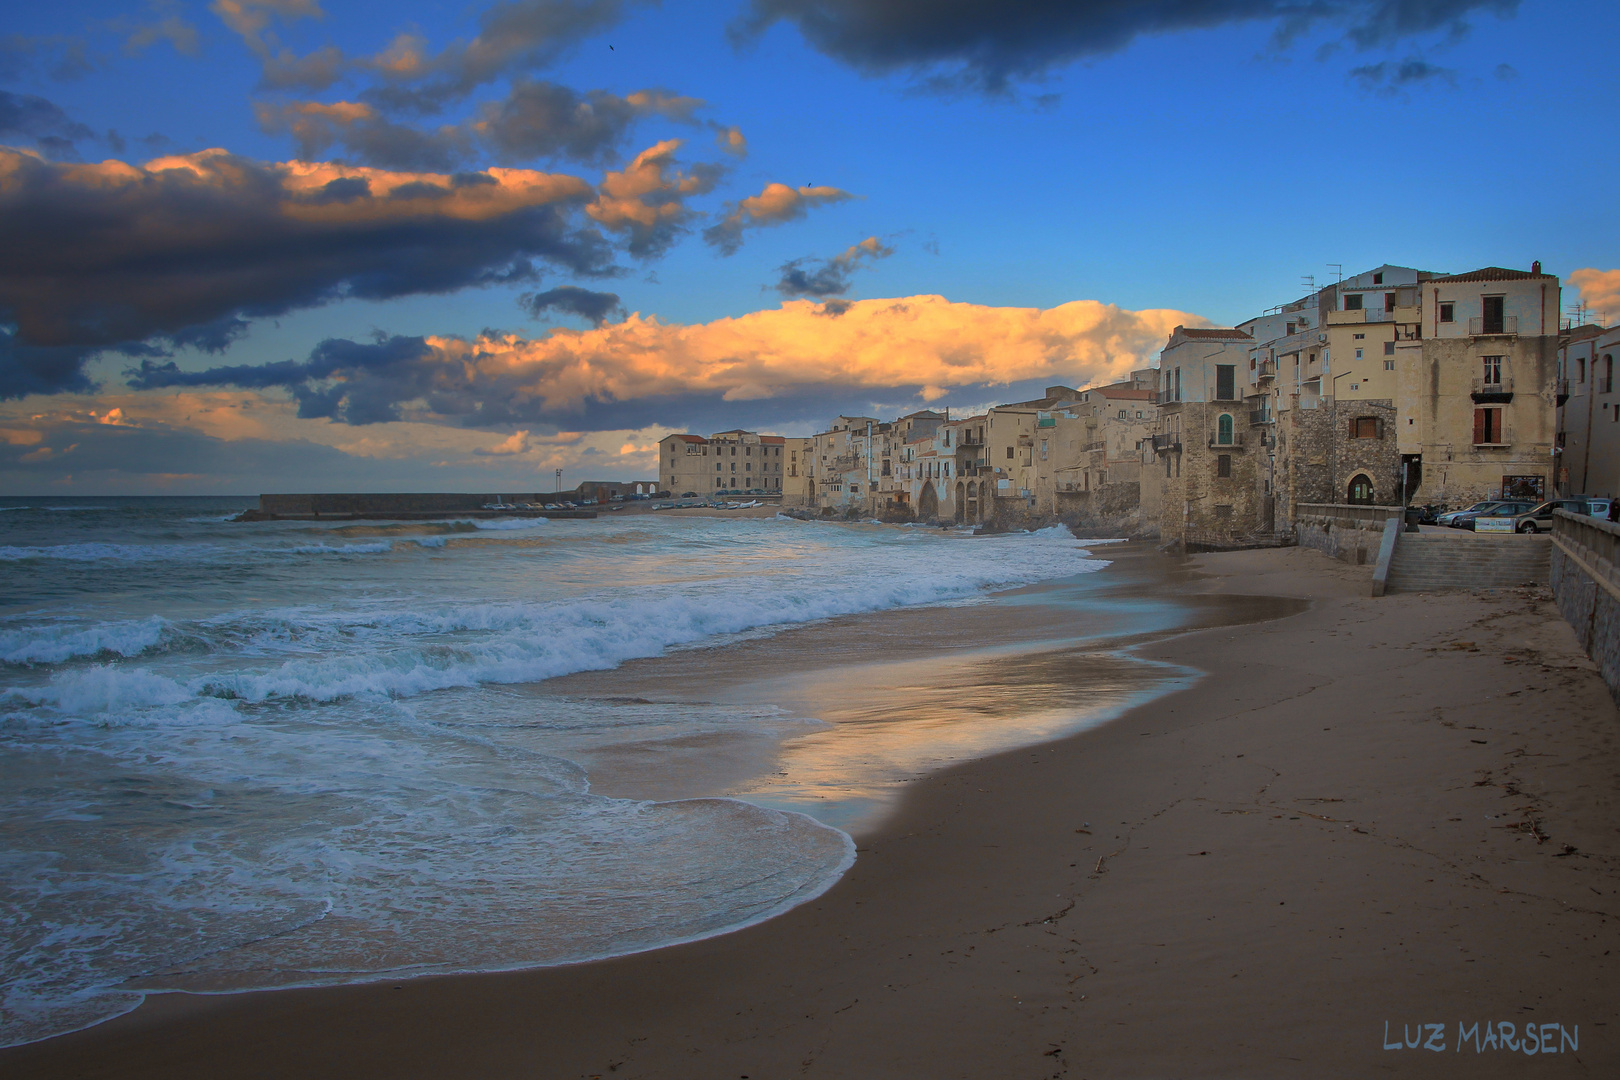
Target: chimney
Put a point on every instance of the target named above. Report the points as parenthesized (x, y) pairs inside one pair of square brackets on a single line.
[(1535, 267)]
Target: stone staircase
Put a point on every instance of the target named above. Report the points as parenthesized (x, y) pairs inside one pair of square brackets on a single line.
[(1432, 561)]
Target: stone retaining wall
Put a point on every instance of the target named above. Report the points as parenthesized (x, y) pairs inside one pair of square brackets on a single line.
[(1351, 533), (1586, 584)]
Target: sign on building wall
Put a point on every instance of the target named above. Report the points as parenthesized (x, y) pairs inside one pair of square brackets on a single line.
[(1523, 487)]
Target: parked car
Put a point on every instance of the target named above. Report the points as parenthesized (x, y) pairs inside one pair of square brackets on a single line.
[(1540, 518), (1496, 510), (1450, 518)]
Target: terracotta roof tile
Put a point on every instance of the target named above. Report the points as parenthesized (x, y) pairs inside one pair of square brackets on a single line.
[(1492, 273)]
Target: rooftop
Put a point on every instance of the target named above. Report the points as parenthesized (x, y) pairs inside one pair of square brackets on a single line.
[(1496, 273)]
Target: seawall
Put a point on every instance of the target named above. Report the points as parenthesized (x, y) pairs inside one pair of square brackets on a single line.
[(402, 506), (1585, 575)]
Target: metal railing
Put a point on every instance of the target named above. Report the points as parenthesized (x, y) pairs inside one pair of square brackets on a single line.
[(1503, 385), (1170, 443), (1235, 444), (1165, 397), (1262, 416), (1479, 326)]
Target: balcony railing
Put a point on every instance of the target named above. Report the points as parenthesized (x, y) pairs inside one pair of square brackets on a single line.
[(1500, 386), (1266, 369), (1096, 446), (1479, 326), (1170, 443), (1235, 444), (1165, 397), (1262, 416)]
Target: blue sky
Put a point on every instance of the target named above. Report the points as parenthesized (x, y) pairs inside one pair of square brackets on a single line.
[(1201, 170)]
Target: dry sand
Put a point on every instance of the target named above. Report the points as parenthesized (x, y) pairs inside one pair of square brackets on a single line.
[(1398, 810)]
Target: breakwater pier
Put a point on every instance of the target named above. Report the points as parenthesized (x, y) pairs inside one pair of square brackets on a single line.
[(397, 506)]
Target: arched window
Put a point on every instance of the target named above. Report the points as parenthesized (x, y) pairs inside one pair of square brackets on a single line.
[(1223, 430), (1361, 491)]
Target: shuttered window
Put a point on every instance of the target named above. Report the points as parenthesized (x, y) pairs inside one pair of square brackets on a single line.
[(1366, 427), (1487, 426)]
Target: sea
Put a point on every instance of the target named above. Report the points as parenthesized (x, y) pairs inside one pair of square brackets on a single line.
[(241, 756)]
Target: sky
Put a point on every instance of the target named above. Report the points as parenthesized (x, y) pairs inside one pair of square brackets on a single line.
[(306, 245)]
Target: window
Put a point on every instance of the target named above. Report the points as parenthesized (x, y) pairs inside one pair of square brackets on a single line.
[(1359, 337), (1389, 301), (1009, 453), (1358, 354), (1488, 427), (1361, 491), (1492, 322), (1291, 329), (1223, 513), (1139, 414), (1608, 374), (1580, 368), (1366, 427), (1389, 348), (1223, 430), (1493, 370), (1223, 465), (1352, 302), (1447, 312), (1389, 365), (1225, 382), (1378, 279)]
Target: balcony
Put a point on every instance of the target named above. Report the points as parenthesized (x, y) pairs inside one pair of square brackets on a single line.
[(1495, 392), (1266, 369), (1408, 332), (1167, 444), (1479, 326), (1166, 397), (1262, 416), (1235, 444), (1096, 446), (1563, 391)]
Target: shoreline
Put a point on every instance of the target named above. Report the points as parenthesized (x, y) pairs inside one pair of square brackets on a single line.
[(981, 933)]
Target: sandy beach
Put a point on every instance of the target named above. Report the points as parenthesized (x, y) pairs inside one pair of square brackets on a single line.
[(1367, 816)]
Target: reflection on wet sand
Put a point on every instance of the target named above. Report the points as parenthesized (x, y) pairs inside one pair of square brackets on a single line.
[(891, 722), (834, 719)]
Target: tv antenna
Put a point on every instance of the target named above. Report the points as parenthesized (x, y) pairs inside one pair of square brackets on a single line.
[(1338, 273), (1309, 281)]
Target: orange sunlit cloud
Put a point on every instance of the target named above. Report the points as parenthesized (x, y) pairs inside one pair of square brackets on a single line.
[(918, 341), (1600, 289)]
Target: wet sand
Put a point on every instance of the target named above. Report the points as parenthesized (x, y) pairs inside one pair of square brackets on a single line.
[(1393, 811)]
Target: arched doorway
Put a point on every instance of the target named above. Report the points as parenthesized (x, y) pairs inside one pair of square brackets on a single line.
[(973, 502), (810, 492), (961, 502), (928, 502), (1361, 491)]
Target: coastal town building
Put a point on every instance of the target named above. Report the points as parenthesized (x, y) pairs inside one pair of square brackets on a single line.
[(1476, 413), (1392, 385), (1588, 438), (1207, 470), (726, 462)]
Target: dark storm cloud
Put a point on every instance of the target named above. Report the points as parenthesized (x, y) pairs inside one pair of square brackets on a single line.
[(985, 44), (535, 120), (520, 35), (111, 255), (820, 278), (545, 120), (1392, 77), (26, 117), (597, 307)]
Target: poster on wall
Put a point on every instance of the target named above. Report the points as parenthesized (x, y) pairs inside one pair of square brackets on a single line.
[(1524, 487)]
